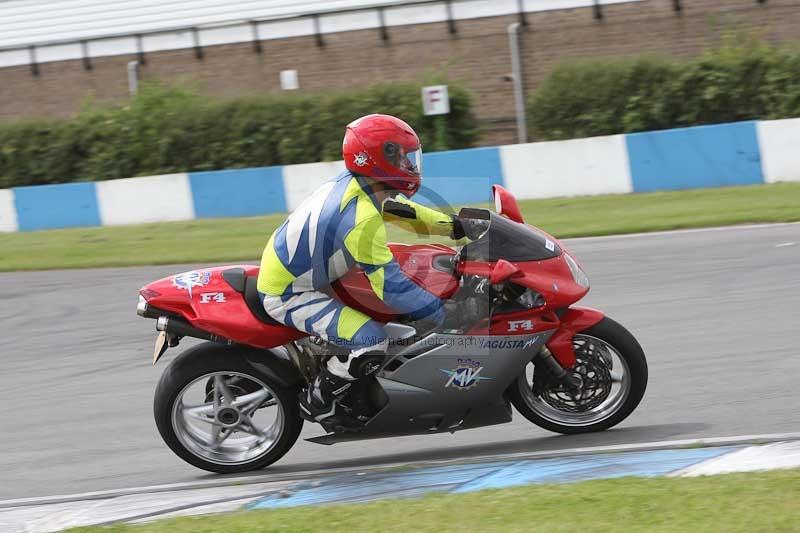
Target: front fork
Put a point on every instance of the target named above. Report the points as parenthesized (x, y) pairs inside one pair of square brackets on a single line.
[(545, 359)]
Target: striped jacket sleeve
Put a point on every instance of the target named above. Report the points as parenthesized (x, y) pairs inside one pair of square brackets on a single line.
[(417, 218), (366, 243)]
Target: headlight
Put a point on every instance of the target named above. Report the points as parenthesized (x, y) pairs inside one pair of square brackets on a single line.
[(578, 275)]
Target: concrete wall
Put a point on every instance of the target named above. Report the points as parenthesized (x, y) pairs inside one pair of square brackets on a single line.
[(779, 141), (708, 156), (477, 54)]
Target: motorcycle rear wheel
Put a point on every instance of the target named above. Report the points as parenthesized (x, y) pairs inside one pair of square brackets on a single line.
[(612, 360), (218, 411)]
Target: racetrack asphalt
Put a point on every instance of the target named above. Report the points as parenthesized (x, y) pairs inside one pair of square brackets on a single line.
[(717, 312)]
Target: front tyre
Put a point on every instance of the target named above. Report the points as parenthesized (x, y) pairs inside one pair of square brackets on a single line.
[(613, 370), (219, 412)]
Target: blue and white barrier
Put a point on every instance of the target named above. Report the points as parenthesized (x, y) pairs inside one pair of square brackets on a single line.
[(140, 200), (705, 156), (740, 153), (597, 165), (779, 141)]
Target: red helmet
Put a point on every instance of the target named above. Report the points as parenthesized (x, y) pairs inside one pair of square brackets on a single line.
[(385, 149)]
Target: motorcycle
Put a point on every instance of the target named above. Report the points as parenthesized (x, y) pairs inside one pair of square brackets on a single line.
[(512, 338)]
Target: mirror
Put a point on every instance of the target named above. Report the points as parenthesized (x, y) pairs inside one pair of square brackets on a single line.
[(503, 270), (506, 204)]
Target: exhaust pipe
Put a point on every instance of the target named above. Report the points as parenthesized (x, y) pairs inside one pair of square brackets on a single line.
[(144, 309), (176, 326)]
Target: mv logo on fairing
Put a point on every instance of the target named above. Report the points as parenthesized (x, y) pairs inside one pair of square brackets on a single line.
[(465, 375), (189, 280)]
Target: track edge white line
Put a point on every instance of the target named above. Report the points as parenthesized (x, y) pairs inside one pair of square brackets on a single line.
[(546, 454)]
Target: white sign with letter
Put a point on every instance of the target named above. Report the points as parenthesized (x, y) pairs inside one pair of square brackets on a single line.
[(435, 100)]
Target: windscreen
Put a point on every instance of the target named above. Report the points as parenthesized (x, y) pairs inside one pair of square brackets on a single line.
[(496, 237)]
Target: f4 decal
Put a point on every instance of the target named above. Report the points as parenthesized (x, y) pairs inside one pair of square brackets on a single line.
[(517, 325), (208, 297)]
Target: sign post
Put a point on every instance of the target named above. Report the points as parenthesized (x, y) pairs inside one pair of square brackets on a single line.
[(435, 100)]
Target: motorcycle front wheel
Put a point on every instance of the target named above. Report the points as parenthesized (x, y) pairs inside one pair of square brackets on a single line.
[(218, 411), (612, 369)]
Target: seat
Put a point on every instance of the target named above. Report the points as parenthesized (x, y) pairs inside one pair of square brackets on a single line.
[(235, 278), (247, 286), (255, 303)]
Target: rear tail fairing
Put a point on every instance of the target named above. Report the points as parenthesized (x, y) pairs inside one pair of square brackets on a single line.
[(205, 300)]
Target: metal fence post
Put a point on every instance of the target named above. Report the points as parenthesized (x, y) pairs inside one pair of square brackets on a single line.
[(519, 93)]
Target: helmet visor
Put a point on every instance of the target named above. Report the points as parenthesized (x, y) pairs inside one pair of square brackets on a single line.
[(414, 161), (407, 159)]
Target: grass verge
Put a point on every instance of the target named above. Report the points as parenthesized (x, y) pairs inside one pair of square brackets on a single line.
[(765, 501), (224, 240)]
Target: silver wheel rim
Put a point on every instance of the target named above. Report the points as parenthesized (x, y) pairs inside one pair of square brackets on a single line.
[(620, 389), (238, 422)]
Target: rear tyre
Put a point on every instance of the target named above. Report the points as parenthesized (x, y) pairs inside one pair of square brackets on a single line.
[(219, 411), (613, 369)]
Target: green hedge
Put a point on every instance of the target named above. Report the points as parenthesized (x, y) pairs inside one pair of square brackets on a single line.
[(743, 81), (166, 130)]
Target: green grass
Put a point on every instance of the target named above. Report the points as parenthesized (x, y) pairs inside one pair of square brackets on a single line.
[(225, 240), (768, 501)]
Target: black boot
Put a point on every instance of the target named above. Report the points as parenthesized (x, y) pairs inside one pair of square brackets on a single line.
[(321, 402)]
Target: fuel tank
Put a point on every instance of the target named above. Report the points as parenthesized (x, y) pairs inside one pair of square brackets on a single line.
[(431, 266)]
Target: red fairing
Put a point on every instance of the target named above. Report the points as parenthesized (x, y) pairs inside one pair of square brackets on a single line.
[(208, 302), (506, 204), (528, 322), (503, 270), (214, 306), (517, 323), (575, 320), (551, 278), (417, 262)]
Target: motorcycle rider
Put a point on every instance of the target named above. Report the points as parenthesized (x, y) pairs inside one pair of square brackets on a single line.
[(339, 226)]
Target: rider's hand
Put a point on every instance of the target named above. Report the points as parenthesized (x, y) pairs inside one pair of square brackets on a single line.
[(473, 228), (423, 326), (458, 229), (429, 317), (437, 317)]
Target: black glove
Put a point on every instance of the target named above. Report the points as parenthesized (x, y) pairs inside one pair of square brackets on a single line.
[(473, 228), (458, 229)]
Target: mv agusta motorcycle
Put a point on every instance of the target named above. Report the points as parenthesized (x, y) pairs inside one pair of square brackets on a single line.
[(512, 338)]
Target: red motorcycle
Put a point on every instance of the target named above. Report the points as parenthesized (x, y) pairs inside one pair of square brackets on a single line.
[(512, 338)]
